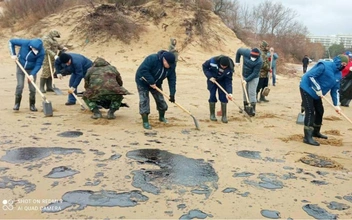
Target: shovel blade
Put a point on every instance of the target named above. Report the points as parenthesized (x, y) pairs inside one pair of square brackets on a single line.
[(57, 91), (266, 91), (300, 119), (47, 109)]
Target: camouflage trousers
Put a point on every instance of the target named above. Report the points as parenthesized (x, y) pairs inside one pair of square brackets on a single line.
[(144, 101), (106, 101), (46, 70)]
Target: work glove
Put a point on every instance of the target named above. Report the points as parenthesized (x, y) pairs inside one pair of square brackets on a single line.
[(271, 71), (237, 64), (230, 97), (59, 76), (14, 57), (31, 78), (319, 93), (172, 98), (338, 109), (56, 56), (212, 79), (71, 90)]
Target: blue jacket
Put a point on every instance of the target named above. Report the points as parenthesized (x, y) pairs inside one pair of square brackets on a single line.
[(324, 76), (275, 57), (26, 57), (250, 69), (79, 67), (153, 70), (211, 68)]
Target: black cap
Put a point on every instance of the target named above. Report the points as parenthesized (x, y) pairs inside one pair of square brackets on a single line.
[(64, 57)]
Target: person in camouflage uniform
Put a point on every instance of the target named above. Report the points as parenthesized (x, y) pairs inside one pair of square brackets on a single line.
[(173, 49), (51, 47), (103, 85), (264, 72)]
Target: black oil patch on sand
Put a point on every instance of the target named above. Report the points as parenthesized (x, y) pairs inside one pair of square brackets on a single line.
[(174, 169)]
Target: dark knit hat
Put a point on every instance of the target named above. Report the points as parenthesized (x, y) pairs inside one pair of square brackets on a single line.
[(169, 57), (343, 58), (255, 52), (64, 57), (225, 61)]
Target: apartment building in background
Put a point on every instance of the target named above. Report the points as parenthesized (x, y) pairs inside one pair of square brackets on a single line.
[(328, 41)]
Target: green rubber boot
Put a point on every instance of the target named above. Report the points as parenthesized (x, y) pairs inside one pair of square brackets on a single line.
[(162, 116), (146, 124), (212, 111)]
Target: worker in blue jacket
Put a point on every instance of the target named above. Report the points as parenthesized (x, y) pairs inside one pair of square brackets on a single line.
[(75, 64), (30, 56), (325, 76), (219, 69), (149, 76)]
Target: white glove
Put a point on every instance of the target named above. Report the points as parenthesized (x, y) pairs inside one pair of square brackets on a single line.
[(31, 78), (59, 76), (212, 79), (237, 64), (351, 68), (338, 109), (14, 57), (230, 97), (319, 93), (244, 82), (56, 56)]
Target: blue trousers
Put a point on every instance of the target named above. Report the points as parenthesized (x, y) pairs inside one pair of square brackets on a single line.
[(213, 89)]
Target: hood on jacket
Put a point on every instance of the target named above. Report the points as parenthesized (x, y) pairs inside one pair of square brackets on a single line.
[(54, 33), (98, 62), (337, 61), (36, 44), (173, 41)]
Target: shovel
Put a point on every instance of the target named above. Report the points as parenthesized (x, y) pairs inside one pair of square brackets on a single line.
[(249, 108), (178, 105), (79, 101), (349, 120), (56, 90), (245, 113), (47, 107), (300, 117)]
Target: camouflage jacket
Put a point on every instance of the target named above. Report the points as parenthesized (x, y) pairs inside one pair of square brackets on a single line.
[(103, 79), (266, 65), (51, 45)]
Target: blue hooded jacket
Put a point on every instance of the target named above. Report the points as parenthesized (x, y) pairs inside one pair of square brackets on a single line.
[(250, 69), (26, 57), (153, 70), (211, 68), (324, 76), (79, 67)]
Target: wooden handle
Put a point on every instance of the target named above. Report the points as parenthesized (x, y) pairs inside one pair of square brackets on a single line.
[(35, 86), (340, 112), (51, 71), (245, 89)]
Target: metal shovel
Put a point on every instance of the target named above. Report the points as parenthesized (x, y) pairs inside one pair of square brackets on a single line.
[(47, 107), (56, 90)]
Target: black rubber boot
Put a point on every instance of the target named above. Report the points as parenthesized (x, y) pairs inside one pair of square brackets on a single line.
[(308, 136), (32, 105), (111, 113), (262, 98), (42, 84), (224, 112), (96, 113), (316, 132), (253, 104), (212, 111), (17, 103), (146, 124), (49, 84), (162, 116), (258, 99)]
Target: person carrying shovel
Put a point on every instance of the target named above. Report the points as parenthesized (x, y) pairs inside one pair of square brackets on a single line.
[(51, 47), (31, 57), (252, 63), (219, 69), (150, 76), (325, 76)]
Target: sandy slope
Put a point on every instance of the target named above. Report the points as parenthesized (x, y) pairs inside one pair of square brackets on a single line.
[(216, 143)]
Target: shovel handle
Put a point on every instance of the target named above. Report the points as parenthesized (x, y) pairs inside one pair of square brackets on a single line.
[(349, 120), (79, 101), (166, 96), (35, 86), (244, 89), (51, 71)]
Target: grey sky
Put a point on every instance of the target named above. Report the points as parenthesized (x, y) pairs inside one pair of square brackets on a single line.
[(321, 17)]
